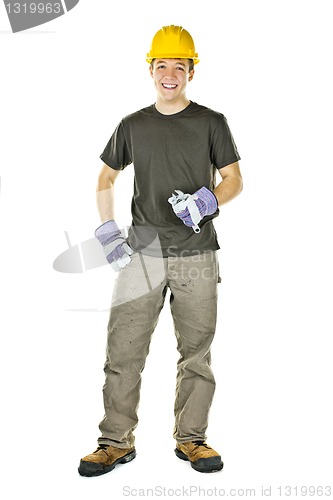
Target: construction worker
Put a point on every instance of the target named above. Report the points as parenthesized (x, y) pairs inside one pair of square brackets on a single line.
[(176, 147)]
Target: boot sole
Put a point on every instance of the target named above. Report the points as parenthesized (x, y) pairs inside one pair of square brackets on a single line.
[(213, 464), (90, 469)]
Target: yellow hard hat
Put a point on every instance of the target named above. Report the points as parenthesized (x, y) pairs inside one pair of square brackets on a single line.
[(172, 42)]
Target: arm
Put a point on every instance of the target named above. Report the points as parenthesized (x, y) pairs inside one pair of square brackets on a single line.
[(231, 184), (116, 249), (191, 209), (105, 193)]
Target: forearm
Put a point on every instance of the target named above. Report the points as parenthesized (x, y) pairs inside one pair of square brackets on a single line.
[(228, 189), (105, 200)]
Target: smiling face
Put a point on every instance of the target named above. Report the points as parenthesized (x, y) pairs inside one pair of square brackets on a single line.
[(170, 78)]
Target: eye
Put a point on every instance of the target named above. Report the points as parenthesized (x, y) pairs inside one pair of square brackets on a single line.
[(160, 66), (180, 67)]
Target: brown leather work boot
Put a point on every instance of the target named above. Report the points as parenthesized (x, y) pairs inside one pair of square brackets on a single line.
[(104, 459), (201, 456)]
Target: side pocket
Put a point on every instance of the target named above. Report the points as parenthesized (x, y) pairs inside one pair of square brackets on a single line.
[(219, 279)]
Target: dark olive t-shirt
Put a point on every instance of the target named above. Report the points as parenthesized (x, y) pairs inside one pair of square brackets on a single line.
[(179, 151)]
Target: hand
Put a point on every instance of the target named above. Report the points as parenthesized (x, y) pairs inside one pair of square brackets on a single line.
[(116, 249), (192, 208)]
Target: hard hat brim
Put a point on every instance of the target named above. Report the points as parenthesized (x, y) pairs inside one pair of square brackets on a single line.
[(149, 58)]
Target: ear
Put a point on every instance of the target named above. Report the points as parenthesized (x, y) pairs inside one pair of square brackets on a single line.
[(150, 70), (191, 75)]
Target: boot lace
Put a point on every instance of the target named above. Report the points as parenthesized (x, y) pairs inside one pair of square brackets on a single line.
[(102, 447), (200, 443)]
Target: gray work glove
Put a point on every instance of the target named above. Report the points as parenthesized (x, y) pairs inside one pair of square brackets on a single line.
[(116, 249), (192, 208)]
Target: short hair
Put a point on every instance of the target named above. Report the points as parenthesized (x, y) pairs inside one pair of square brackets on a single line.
[(191, 64)]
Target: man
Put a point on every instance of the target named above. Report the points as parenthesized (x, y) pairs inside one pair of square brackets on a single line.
[(176, 147)]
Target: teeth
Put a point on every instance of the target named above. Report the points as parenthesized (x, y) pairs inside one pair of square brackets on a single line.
[(169, 86)]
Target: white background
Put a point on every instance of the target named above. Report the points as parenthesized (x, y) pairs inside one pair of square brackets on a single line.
[(64, 87)]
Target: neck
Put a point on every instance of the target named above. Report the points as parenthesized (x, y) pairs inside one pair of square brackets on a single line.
[(169, 107)]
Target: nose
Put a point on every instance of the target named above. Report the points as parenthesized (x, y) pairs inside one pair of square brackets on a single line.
[(169, 73)]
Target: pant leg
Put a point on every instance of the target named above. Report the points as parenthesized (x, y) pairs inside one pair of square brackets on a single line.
[(193, 284), (137, 300)]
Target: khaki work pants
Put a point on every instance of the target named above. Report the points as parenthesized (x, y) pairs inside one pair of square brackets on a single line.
[(137, 301)]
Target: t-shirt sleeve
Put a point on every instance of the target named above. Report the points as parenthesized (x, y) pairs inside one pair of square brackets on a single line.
[(116, 153), (223, 149)]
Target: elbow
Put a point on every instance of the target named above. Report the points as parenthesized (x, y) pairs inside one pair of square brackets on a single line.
[(105, 179), (103, 183), (240, 188)]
